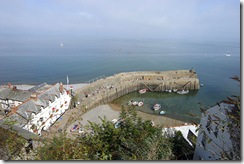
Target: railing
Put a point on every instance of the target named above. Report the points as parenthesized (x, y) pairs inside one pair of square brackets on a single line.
[(95, 79)]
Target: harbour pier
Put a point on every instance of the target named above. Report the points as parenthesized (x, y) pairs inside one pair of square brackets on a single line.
[(107, 89)]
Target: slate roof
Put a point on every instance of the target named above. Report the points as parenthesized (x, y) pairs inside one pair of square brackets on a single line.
[(17, 94), (39, 88), (33, 105), (27, 108), (18, 120)]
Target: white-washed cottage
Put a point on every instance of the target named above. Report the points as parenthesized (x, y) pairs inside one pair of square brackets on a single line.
[(40, 110)]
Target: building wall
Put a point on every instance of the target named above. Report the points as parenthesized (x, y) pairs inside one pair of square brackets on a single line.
[(213, 137), (48, 115), (8, 104)]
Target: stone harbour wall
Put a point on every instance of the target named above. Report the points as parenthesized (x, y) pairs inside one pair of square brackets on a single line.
[(110, 88)]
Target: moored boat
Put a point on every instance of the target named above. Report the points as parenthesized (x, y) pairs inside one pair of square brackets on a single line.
[(162, 112), (135, 103), (143, 91), (183, 92), (140, 103), (156, 106)]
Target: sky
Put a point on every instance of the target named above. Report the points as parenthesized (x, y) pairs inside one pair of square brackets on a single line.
[(33, 20)]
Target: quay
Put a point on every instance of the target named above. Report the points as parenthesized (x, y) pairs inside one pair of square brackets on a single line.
[(110, 88), (104, 89)]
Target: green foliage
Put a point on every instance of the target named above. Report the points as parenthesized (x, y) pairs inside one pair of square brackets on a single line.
[(181, 147), (10, 144), (133, 140)]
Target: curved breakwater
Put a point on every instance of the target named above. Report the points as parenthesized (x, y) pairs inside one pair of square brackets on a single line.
[(107, 89)]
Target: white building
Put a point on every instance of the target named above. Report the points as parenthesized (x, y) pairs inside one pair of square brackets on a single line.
[(186, 130), (41, 109), (214, 136), (11, 97)]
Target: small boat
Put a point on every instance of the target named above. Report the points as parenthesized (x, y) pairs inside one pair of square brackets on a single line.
[(174, 90), (227, 54), (142, 91), (140, 103), (117, 124), (156, 106), (74, 128), (201, 85), (183, 92), (162, 112), (135, 103)]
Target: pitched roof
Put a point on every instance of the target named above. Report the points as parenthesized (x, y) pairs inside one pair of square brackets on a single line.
[(39, 88), (15, 94), (27, 108)]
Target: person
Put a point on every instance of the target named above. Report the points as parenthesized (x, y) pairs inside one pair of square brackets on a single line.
[(29, 147), (30, 141)]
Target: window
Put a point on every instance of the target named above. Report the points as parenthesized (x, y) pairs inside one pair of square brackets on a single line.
[(204, 138), (216, 131), (41, 119), (208, 125)]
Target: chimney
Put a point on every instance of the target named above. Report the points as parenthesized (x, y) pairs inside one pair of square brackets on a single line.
[(34, 96), (9, 85), (61, 88), (14, 88)]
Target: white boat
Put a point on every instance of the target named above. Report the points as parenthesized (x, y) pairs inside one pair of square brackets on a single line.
[(169, 91), (201, 85), (135, 103), (140, 103), (175, 90), (183, 92), (162, 112), (142, 91), (227, 54), (156, 106)]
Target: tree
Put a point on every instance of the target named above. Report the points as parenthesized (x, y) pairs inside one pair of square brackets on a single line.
[(10, 144), (133, 139)]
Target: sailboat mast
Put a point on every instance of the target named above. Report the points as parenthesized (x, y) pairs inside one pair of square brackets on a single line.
[(67, 82)]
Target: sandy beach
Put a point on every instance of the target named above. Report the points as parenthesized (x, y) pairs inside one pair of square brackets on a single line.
[(112, 111)]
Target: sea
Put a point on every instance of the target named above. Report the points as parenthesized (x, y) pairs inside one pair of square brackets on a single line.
[(84, 60)]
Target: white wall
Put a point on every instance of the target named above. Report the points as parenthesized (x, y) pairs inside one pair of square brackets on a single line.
[(59, 104)]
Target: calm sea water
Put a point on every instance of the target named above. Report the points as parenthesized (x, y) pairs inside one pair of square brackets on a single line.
[(85, 60)]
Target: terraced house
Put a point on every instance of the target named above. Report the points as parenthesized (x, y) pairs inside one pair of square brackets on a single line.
[(35, 109)]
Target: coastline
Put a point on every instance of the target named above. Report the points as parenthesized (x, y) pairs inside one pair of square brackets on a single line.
[(28, 86), (158, 120)]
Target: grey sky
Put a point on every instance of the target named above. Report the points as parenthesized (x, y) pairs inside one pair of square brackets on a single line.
[(121, 19)]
